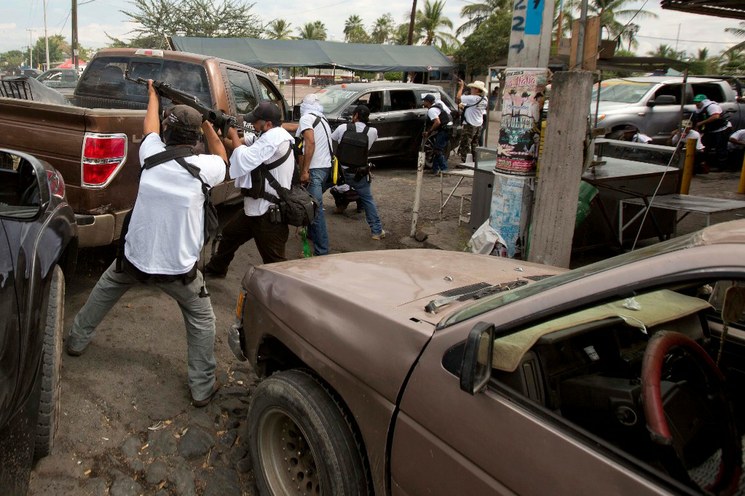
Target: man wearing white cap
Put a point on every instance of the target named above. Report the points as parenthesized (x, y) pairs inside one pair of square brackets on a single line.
[(474, 108), (315, 164)]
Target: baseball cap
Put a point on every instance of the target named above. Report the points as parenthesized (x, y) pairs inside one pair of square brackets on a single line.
[(699, 98), (265, 111), (429, 98), (183, 117)]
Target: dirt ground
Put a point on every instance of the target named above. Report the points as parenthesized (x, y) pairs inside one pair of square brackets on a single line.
[(126, 423)]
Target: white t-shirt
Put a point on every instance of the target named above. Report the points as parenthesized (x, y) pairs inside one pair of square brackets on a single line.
[(476, 108), (641, 138), (739, 136), (166, 231), (270, 146), (692, 134), (322, 137), (434, 112)]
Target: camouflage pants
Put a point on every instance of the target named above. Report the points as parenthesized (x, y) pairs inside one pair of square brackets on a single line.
[(469, 140)]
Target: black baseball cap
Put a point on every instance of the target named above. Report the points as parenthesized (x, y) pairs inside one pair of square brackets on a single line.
[(429, 98), (265, 111), (183, 117)]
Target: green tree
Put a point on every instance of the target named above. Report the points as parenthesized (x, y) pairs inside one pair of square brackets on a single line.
[(382, 29), (487, 43), (613, 14), (156, 19), (59, 49), (354, 30), (279, 29), (12, 60), (431, 20), (703, 64), (313, 31), (732, 63), (740, 33), (400, 35), (666, 52), (477, 13)]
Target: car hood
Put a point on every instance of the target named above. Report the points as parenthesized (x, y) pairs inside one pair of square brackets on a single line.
[(366, 310)]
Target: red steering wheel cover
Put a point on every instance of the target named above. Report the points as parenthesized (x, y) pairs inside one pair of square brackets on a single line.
[(660, 345)]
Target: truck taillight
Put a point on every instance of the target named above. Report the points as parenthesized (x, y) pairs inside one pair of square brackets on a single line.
[(56, 184), (103, 156)]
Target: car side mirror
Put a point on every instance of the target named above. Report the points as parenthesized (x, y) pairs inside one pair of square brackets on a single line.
[(662, 100), (346, 115), (475, 369)]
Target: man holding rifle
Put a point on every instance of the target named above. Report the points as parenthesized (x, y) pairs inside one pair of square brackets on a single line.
[(164, 240)]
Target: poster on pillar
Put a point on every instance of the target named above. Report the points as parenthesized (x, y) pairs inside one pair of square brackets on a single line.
[(509, 214), (523, 97)]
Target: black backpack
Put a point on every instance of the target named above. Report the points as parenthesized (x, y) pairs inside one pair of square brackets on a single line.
[(297, 207), (445, 117), (353, 147)]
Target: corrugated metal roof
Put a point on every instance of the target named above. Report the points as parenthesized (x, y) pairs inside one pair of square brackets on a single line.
[(734, 9)]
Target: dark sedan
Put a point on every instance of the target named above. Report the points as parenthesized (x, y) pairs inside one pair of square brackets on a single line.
[(396, 111), (62, 80), (38, 247)]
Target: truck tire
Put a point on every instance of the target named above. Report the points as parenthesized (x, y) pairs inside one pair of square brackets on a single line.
[(46, 426), (301, 441)]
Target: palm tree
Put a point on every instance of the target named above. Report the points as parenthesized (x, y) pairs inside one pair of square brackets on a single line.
[(476, 13), (666, 52), (382, 29), (733, 62), (429, 21), (279, 29), (354, 30), (612, 13), (313, 31), (400, 35), (740, 33)]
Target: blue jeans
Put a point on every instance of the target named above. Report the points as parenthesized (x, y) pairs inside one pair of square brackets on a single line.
[(362, 187), (320, 181), (440, 144), (198, 318)]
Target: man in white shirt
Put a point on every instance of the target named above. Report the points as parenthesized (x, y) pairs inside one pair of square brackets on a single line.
[(736, 149), (709, 119), (260, 217), (315, 164), (164, 240), (474, 108), (438, 124), (360, 179)]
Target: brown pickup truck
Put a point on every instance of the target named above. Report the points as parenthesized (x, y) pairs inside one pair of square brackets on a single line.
[(94, 142)]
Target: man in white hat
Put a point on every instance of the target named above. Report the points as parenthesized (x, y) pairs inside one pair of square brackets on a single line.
[(474, 108)]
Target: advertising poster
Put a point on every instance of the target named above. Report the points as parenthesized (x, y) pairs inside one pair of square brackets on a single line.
[(509, 215), (523, 97)]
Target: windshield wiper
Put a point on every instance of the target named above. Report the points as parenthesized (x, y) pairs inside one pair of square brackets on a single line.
[(435, 305)]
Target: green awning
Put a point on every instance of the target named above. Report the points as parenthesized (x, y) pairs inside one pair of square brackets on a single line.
[(312, 53)]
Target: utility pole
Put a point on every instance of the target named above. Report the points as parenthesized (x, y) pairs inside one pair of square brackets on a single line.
[(410, 40), (75, 60), (46, 38), (30, 48)]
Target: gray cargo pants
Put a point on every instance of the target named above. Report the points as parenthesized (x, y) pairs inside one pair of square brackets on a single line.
[(198, 317)]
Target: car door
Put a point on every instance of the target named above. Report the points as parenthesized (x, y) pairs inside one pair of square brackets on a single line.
[(405, 121), (663, 118), (447, 441), (376, 102)]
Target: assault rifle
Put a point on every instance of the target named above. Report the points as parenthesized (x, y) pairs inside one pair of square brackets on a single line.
[(218, 118)]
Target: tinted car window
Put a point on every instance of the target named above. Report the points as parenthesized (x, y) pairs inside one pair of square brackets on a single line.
[(242, 89), (333, 100), (402, 100), (269, 92), (374, 101)]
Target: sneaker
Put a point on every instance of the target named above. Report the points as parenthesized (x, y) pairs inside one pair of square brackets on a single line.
[(379, 236), (206, 401), (72, 351)]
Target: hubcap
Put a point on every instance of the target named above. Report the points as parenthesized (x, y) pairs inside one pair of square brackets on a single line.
[(286, 457)]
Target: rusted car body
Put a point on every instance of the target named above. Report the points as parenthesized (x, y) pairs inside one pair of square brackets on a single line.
[(38, 249), (452, 373)]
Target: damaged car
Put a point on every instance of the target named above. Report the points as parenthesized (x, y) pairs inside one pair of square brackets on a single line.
[(430, 372)]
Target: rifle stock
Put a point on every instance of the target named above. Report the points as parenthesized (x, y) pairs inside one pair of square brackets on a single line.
[(218, 118)]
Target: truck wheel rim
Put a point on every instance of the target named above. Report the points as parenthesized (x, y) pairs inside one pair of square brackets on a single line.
[(286, 457)]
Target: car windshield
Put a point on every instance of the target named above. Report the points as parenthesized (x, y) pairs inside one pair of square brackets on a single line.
[(503, 298), (334, 99), (621, 91)]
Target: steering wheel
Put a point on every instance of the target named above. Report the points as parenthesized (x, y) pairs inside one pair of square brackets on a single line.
[(661, 345)]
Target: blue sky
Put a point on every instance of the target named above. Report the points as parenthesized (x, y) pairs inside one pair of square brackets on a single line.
[(98, 17)]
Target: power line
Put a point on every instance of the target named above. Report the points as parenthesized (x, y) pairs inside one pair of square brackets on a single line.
[(687, 41)]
